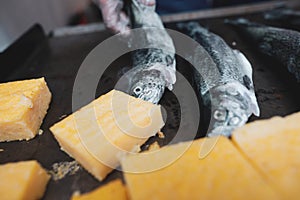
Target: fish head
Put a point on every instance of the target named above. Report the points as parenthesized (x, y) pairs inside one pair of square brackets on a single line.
[(148, 85), (231, 105)]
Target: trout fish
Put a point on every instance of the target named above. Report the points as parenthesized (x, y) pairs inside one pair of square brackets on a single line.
[(227, 87), (154, 68)]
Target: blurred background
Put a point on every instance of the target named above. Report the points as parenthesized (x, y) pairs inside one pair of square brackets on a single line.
[(17, 16)]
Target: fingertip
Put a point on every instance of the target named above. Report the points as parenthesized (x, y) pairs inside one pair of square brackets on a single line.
[(124, 18)]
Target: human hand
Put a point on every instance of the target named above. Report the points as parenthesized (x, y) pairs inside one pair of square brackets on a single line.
[(113, 16)]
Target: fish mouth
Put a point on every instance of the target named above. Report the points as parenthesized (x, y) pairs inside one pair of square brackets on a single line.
[(225, 120), (152, 95), (231, 106), (148, 85)]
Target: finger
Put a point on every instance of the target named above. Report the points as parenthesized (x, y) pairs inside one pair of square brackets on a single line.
[(123, 18), (122, 24), (119, 26)]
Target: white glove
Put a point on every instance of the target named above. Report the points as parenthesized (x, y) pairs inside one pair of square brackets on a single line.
[(113, 16)]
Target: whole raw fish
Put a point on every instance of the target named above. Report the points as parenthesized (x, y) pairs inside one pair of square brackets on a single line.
[(226, 87), (153, 68)]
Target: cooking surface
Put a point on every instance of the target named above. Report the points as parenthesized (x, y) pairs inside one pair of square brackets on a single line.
[(59, 58)]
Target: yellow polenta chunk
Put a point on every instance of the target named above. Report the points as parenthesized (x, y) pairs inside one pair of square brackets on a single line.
[(99, 133), (114, 190), (23, 106), (22, 180), (223, 174), (273, 146)]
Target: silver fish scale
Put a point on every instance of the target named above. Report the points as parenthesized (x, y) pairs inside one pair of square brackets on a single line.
[(151, 56), (224, 57)]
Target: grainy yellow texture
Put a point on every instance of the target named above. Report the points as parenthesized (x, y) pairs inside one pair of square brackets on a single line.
[(95, 136), (273, 147), (114, 190), (23, 106), (22, 180), (223, 174)]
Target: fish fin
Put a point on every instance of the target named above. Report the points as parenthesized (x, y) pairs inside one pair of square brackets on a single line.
[(248, 83), (245, 64), (251, 99), (255, 108), (252, 102)]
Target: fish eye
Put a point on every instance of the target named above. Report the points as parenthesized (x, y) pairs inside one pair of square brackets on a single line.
[(234, 121), (220, 115), (137, 90)]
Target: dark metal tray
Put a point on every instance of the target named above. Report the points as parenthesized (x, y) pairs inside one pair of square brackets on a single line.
[(58, 59)]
